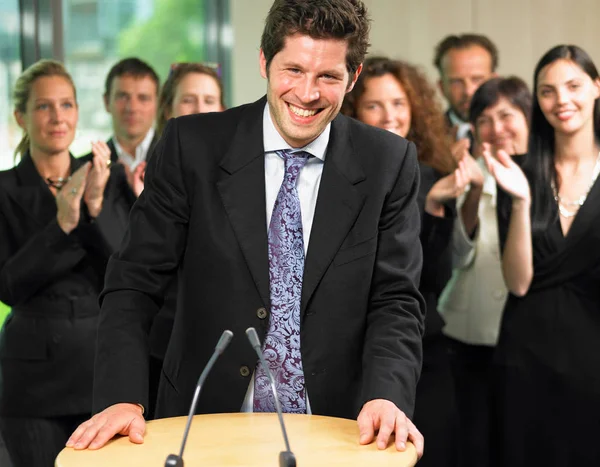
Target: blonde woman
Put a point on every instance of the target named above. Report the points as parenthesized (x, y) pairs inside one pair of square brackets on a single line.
[(60, 219)]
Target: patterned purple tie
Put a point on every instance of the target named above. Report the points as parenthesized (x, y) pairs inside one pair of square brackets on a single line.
[(286, 266)]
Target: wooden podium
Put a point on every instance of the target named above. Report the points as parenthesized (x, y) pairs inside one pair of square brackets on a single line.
[(244, 439)]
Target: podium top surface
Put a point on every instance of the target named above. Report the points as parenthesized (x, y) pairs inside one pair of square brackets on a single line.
[(244, 439)]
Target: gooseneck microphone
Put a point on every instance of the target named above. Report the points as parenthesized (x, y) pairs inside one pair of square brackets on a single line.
[(286, 458), (174, 460)]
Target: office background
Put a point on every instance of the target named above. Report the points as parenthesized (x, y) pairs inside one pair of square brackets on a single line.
[(90, 35)]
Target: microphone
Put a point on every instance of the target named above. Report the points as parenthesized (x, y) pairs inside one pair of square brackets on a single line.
[(286, 458), (174, 460)]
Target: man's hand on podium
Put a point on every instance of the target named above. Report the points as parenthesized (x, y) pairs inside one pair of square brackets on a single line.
[(122, 419), (383, 415)]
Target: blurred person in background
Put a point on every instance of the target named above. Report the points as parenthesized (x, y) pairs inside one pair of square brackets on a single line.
[(60, 219), (130, 97), (473, 300), (191, 88), (464, 63)]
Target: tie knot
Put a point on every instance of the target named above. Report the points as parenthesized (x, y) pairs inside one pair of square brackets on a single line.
[(293, 159)]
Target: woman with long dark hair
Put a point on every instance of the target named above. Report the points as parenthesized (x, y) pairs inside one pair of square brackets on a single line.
[(547, 359)]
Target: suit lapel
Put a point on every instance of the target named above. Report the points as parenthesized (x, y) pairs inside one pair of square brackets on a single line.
[(242, 189), (114, 157), (338, 205)]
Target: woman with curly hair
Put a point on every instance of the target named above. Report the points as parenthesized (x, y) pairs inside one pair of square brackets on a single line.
[(396, 96)]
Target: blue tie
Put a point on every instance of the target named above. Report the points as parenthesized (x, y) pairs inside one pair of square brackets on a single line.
[(286, 267)]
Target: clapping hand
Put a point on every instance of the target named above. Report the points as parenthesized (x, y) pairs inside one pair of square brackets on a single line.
[(474, 173), (460, 149), (97, 178), (135, 177), (447, 188), (508, 174), (68, 199)]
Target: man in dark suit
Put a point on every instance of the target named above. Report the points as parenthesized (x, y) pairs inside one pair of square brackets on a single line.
[(233, 202), (464, 63)]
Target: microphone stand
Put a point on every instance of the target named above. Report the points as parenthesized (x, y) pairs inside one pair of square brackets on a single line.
[(286, 458), (174, 460)]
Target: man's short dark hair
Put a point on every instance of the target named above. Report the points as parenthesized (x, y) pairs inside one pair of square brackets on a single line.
[(320, 19), (130, 66), (464, 41)]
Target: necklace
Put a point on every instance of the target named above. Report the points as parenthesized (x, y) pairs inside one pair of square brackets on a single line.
[(563, 204), (58, 182)]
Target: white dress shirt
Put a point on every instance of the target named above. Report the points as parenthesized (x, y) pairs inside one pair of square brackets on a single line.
[(308, 184), (473, 300), (463, 128), (141, 151)]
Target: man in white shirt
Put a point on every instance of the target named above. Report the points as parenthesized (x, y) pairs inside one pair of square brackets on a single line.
[(130, 97), (464, 63)]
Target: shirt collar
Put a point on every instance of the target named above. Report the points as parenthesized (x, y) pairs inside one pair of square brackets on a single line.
[(273, 141), (455, 119), (141, 151)]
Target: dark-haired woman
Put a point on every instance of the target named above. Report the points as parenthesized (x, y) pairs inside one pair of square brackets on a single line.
[(473, 301), (548, 359)]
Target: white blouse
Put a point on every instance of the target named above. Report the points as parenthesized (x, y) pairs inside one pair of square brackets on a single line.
[(473, 300)]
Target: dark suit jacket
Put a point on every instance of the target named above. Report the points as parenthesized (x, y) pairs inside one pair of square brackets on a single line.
[(203, 211), (162, 325), (52, 281)]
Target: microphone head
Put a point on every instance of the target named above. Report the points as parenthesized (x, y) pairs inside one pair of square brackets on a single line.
[(253, 337), (175, 461), (287, 459), (224, 341)]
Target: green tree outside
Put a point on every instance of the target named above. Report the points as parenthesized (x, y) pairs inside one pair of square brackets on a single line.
[(4, 310), (173, 33)]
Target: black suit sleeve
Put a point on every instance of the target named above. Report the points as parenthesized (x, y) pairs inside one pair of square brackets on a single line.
[(392, 352), (137, 276), (102, 236)]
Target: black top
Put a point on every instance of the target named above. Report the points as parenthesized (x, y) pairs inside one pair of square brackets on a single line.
[(558, 320), (436, 233), (548, 346), (52, 281)]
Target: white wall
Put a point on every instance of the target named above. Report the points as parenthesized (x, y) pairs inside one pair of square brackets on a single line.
[(409, 29)]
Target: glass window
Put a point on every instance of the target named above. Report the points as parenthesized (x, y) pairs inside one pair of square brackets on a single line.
[(10, 68), (97, 33)]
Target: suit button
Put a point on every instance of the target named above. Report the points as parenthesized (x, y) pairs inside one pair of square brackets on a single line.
[(261, 313), (244, 371)]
